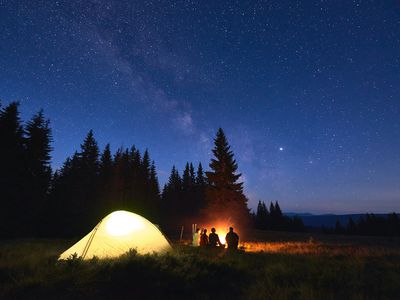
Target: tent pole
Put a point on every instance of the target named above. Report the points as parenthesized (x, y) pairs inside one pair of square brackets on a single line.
[(89, 242)]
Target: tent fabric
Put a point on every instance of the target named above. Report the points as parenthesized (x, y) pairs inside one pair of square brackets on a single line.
[(118, 233)]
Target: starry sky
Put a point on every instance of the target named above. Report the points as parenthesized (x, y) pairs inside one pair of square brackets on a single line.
[(308, 92)]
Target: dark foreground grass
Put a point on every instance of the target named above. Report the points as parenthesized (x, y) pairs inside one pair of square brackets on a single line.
[(29, 270)]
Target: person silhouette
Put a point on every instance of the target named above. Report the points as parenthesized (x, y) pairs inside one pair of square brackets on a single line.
[(213, 239), (232, 239), (196, 238), (204, 238)]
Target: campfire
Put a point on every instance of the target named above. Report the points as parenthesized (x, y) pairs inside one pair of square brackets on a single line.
[(221, 228)]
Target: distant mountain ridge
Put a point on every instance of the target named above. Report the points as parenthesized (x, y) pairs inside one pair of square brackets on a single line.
[(327, 220)]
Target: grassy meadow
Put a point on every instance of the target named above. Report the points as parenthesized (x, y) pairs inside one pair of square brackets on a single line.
[(274, 265)]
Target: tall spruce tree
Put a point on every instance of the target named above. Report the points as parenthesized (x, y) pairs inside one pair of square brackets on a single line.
[(171, 198), (89, 179), (145, 197), (200, 177), (137, 183), (38, 149), (76, 191), (106, 164), (190, 203), (117, 181), (262, 215), (186, 178), (64, 208), (192, 175), (89, 158), (225, 198), (146, 201), (105, 194), (154, 194), (12, 171), (200, 189), (155, 187)]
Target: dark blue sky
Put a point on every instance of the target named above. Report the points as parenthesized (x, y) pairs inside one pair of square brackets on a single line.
[(308, 92)]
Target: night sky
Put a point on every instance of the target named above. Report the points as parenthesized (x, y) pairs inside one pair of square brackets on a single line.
[(308, 92)]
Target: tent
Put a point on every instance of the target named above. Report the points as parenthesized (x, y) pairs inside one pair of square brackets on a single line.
[(116, 234)]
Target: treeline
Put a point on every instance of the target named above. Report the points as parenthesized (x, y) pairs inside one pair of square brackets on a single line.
[(274, 219), (183, 197), (369, 224), (89, 185), (25, 172), (93, 182)]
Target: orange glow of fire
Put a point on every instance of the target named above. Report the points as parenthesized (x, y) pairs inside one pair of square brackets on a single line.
[(221, 234)]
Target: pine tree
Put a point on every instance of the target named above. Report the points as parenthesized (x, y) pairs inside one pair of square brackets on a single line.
[(155, 187), (77, 189), (190, 190), (171, 198), (154, 194), (200, 178), (106, 164), (38, 148), (265, 215), (145, 166), (261, 217), (192, 175), (278, 211), (64, 206), (136, 159), (89, 178), (117, 182), (186, 179), (146, 203), (89, 157), (105, 193), (272, 211), (200, 189), (129, 199), (12, 171), (225, 198), (175, 181)]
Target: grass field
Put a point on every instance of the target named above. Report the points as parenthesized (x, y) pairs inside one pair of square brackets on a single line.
[(274, 266)]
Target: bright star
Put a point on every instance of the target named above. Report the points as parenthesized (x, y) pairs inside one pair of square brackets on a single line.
[(280, 148)]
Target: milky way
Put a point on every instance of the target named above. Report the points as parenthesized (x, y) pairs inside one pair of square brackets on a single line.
[(308, 92)]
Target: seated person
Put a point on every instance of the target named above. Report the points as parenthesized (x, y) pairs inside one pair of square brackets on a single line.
[(204, 238), (232, 239), (196, 238), (214, 239)]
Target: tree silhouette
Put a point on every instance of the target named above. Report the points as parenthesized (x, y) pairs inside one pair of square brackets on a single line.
[(105, 179), (12, 171), (38, 170), (154, 190), (224, 194), (275, 219), (262, 215), (200, 190), (171, 198)]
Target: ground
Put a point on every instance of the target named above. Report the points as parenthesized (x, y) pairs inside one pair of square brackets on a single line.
[(275, 266)]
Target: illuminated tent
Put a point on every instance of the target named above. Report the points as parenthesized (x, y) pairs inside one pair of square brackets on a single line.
[(116, 234)]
